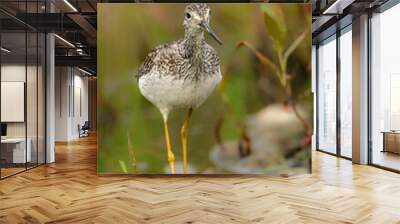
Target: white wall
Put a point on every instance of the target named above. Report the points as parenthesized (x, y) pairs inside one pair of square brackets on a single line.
[(71, 94), (62, 82), (12, 73), (80, 110), (16, 73), (33, 126)]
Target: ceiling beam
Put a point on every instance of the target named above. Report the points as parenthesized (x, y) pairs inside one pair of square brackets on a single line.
[(49, 22), (337, 7), (320, 22), (77, 61), (84, 24)]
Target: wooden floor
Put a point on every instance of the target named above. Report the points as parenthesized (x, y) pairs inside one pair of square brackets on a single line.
[(5, 172), (387, 159), (69, 191)]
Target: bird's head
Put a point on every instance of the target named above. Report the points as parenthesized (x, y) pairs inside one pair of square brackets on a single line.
[(197, 20)]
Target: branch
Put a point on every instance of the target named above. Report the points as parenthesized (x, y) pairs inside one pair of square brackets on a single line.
[(306, 125), (261, 57)]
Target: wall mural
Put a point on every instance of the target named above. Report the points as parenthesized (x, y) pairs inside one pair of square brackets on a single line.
[(204, 88)]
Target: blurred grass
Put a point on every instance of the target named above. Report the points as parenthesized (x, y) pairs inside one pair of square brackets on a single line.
[(127, 32)]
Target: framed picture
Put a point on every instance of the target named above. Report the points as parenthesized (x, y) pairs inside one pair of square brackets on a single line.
[(204, 88)]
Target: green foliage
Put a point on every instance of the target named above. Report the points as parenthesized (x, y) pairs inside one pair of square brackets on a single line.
[(275, 23)]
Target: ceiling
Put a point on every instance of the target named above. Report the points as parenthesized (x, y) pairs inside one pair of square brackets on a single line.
[(332, 15), (76, 22)]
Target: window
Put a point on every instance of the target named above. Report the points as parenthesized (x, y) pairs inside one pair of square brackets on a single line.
[(385, 89), (327, 96), (346, 92)]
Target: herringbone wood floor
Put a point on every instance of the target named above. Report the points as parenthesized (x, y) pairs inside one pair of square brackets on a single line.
[(70, 191)]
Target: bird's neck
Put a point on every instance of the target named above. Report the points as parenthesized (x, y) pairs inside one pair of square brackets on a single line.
[(193, 43)]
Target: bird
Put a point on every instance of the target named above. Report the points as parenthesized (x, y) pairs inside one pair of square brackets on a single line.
[(182, 74)]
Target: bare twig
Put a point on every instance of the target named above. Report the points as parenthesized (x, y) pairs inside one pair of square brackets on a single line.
[(262, 58), (306, 125), (244, 144)]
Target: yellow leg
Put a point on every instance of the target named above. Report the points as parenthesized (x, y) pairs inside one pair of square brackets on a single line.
[(170, 154), (184, 131)]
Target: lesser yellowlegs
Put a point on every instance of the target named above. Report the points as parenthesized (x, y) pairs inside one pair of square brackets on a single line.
[(182, 74)]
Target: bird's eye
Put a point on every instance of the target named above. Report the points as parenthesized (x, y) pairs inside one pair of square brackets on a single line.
[(188, 15)]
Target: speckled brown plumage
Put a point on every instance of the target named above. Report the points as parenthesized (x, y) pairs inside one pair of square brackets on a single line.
[(179, 59)]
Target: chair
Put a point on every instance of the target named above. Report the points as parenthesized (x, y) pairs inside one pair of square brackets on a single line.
[(84, 130)]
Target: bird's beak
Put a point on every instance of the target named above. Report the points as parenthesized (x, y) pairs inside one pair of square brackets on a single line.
[(211, 32)]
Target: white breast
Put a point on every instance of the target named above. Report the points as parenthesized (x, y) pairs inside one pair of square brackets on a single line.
[(168, 93)]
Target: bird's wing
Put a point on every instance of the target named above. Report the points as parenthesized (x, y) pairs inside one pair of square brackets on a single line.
[(212, 57), (147, 64), (163, 52)]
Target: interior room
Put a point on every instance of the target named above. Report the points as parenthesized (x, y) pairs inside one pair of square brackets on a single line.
[(49, 99)]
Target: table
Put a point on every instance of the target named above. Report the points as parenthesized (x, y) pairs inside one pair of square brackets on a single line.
[(391, 141), (13, 150)]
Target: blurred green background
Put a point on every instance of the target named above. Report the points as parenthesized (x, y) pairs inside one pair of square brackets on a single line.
[(130, 131)]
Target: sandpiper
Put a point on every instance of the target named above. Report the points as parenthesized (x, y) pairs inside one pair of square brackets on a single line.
[(182, 74)]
